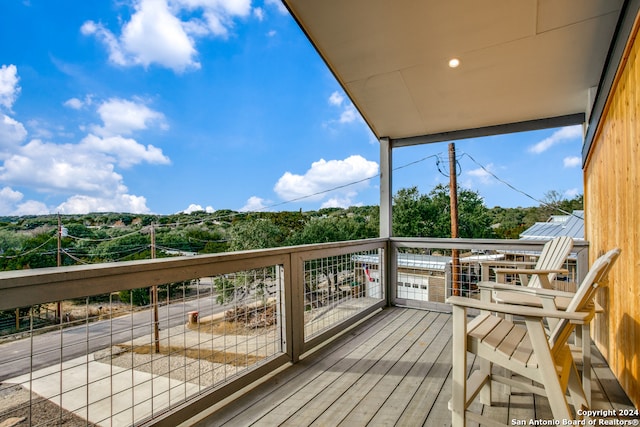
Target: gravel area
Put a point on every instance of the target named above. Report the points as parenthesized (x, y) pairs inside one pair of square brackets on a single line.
[(15, 410), (204, 365), (199, 372)]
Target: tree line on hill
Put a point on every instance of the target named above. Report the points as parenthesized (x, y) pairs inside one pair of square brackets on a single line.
[(32, 241)]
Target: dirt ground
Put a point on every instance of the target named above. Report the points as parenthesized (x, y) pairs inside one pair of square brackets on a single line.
[(19, 407), (15, 410)]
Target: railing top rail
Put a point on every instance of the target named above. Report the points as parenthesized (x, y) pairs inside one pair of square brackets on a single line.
[(28, 287), (20, 288), (486, 244)]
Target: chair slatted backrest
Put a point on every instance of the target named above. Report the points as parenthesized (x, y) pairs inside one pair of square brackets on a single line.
[(585, 294), (552, 257)]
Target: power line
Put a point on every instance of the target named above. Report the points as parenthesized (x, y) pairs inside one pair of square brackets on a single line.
[(29, 251), (346, 185), (516, 189)]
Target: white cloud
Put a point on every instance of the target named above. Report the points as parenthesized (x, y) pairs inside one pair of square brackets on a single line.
[(197, 208), (123, 117), (222, 7), (116, 52), (127, 151), (482, 175), (258, 12), (571, 193), (62, 168), (11, 203), (74, 103), (349, 114), (572, 162), (272, 33), (561, 135), (8, 199), (84, 171), (325, 175), (12, 133), (278, 5), (254, 204), (153, 35), (31, 207), (157, 33), (9, 89), (339, 202), (336, 98), (120, 203)]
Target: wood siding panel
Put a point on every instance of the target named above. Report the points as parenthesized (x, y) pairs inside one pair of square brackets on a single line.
[(612, 218)]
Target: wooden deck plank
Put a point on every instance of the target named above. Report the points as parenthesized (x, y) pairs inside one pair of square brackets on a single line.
[(521, 406), (381, 373), (499, 409), (372, 363), (425, 366), (279, 388), (434, 392), (609, 387), (382, 405), (438, 414), (326, 371)]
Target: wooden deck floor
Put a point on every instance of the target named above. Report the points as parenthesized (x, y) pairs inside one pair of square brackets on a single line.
[(392, 370)]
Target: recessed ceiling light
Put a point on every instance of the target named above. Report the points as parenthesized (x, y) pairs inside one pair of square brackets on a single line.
[(454, 62)]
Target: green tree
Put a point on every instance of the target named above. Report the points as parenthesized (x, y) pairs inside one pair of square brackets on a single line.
[(256, 233), (225, 289), (419, 215), (410, 213)]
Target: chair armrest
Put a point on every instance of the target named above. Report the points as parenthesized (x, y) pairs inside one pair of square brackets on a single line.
[(503, 263), (520, 310), (524, 273), (539, 292), (530, 271)]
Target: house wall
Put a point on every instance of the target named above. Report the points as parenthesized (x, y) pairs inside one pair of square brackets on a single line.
[(612, 219)]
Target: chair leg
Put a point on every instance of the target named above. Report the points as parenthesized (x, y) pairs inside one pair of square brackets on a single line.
[(485, 392), (549, 376), (585, 342), (576, 391)]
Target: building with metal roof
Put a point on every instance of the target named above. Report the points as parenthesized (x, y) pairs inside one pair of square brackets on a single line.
[(558, 225)]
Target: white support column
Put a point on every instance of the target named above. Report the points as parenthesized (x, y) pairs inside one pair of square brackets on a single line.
[(385, 187)]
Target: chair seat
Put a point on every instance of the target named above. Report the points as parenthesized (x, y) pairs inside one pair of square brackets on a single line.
[(503, 336)]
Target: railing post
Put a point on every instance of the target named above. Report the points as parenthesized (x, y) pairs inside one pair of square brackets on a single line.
[(295, 307), (385, 187), (391, 274)]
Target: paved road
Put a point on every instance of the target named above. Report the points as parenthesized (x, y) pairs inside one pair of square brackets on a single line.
[(60, 345)]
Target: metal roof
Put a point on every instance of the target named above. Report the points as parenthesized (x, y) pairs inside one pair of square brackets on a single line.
[(417, 261), (426, 262), (559, 225), (521, 62)]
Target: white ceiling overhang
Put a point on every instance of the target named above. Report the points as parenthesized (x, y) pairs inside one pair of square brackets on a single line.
[(521, 61)]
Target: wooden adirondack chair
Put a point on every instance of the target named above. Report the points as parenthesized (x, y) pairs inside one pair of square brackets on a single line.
[(526, 349), (549, 264)]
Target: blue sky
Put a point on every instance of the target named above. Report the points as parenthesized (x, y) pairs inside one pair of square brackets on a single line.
[(162, 106)]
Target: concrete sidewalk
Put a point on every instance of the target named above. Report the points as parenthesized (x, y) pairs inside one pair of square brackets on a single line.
[(114, 396)]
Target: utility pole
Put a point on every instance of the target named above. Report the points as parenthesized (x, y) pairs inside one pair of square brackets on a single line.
[(154, 296), (59, 263), (453, 197)]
